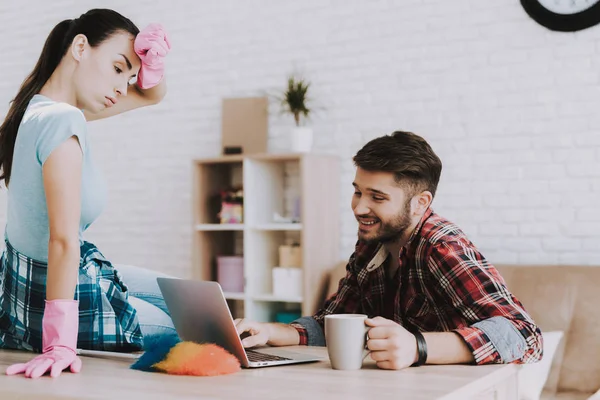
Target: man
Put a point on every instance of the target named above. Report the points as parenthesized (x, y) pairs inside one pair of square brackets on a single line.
[(430, 295)]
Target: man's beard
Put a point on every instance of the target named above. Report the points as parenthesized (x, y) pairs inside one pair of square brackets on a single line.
[(393, 229)]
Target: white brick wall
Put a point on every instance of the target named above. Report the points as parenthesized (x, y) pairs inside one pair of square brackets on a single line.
[(510, 107)]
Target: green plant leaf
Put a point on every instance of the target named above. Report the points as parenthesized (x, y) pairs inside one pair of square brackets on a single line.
[(295, 98)]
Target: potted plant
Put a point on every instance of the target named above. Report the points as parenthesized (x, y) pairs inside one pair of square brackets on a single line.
[(294, 101)]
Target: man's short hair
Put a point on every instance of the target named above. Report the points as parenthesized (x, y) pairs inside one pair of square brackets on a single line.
[(406, 155)]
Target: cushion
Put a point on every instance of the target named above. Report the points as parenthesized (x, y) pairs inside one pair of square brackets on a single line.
[(595, 396), (532, 377), (543, 290)]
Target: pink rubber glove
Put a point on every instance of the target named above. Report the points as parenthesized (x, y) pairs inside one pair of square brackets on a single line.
[(60, 326), (152, 46)]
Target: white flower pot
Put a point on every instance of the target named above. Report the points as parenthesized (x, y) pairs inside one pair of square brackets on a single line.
[(302, 139)]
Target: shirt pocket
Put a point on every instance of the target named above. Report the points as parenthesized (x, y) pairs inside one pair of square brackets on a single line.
[(417, 307)]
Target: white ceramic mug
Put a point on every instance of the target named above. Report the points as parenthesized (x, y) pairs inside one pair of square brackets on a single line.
[(346, 336)]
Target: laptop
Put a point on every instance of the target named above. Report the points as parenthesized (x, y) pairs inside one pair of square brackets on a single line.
[(200, 314)]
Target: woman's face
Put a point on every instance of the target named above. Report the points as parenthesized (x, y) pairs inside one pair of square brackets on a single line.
[(104, 72)]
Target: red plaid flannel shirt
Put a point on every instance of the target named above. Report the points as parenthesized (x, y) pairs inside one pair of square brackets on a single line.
[(444, 284)]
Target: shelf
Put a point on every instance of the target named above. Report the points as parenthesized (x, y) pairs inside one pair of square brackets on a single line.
[(278, 184), (240, 227), (234, 296), (275, 226), (225, 159), (219, 227), (273, 298), (278, 157), (272, 157)]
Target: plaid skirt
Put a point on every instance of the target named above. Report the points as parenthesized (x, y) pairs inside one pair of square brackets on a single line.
[(106, 319)]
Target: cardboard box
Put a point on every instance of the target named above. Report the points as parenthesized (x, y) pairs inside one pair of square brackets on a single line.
[(290, 256), (244, 125)]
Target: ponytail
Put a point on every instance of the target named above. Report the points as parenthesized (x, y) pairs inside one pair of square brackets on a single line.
[(54, 49), (97, 25)]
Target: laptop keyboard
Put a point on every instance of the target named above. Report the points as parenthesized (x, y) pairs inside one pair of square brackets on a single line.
[(255, 356)]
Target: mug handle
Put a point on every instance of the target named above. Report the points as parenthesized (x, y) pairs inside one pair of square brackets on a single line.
[(367, 351)]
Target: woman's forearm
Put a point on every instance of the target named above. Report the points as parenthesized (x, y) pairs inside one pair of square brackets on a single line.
[(63, 267), (154, 94)]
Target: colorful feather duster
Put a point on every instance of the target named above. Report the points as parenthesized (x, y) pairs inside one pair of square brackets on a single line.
[(168, 354)]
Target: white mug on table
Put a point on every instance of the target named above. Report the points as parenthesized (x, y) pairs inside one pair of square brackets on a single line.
[(346, 336)]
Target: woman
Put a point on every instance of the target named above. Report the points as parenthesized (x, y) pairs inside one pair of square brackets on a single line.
[(57, 291)]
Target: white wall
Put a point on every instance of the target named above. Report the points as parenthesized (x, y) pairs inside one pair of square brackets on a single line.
[(510, 107)]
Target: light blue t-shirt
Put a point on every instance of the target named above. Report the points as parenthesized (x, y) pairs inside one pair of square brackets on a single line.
[(47, 124)]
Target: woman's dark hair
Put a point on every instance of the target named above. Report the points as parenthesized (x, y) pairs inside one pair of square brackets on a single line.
[(406, 155), (97, 25)]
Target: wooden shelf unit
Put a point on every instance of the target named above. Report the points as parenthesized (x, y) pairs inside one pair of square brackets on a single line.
[(272, 184)]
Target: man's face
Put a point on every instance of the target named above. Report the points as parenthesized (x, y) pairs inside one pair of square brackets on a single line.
[(381, 206)]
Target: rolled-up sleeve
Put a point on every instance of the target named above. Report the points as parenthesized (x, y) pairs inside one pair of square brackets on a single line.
[(498, 328), (346, 300)]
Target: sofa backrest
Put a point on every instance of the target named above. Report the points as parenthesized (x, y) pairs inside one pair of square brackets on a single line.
[(564, 298)]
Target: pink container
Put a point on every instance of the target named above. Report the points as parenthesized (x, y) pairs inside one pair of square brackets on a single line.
[(230, 273)]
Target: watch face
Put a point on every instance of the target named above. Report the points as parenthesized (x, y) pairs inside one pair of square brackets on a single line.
[(567, 7)]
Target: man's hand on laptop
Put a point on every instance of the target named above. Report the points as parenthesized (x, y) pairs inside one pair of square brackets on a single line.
[(260, 333), (252, 333)]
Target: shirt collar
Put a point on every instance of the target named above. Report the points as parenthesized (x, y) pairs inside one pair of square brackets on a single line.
[(382, 253)]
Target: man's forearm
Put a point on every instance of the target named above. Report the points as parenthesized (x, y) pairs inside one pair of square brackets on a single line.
[(282, 335), (447, 348)]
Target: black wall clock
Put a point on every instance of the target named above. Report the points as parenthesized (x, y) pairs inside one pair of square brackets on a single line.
[(564, 15)]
